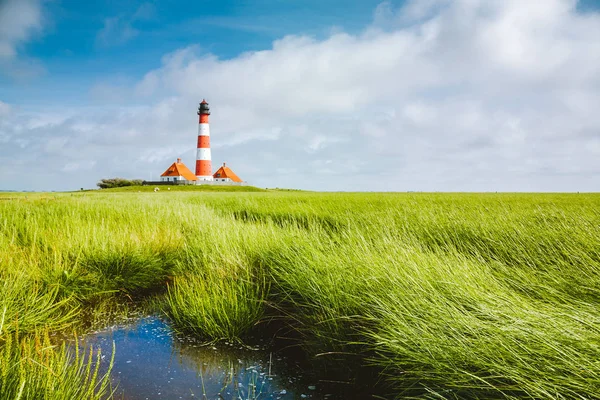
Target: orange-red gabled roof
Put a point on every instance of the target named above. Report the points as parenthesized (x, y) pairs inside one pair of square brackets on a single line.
[(179, 169), (226, 172)]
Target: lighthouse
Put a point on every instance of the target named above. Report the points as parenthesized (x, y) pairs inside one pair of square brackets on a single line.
[(203, 159), (179, 174)]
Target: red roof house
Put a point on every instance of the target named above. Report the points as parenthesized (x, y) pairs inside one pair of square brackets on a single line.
[(178, 172), (225, 174)]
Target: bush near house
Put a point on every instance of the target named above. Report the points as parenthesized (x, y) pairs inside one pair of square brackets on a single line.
[(118, 182)]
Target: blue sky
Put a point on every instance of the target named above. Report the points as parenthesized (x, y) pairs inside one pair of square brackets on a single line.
[(81, 42), (448, 95)]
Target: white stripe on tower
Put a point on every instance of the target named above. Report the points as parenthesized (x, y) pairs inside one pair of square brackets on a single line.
[(203, 159)]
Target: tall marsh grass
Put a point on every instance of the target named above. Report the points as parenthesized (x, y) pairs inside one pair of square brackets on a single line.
[(444, 295), (32, 367)]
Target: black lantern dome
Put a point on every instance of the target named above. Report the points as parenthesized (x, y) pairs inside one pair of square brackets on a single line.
[(204, 108)]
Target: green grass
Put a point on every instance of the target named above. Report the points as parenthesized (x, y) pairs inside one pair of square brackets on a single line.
[(34, 368), (442, 295)]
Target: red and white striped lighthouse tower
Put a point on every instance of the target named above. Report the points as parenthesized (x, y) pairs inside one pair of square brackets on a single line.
[(203, 160)]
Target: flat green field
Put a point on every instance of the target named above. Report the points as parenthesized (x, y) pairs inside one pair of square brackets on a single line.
[(429, 295)]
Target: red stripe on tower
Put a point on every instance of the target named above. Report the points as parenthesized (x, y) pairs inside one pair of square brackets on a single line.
[(203, 159)]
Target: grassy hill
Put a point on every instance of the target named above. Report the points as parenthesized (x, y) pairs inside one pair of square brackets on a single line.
[(185, 188)]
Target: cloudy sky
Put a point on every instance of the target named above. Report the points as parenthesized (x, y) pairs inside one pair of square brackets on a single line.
[(433, 95)]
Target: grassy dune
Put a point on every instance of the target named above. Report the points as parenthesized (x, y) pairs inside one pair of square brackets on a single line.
[(440, 295)]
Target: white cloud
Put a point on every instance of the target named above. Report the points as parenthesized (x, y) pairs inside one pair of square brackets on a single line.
[(120, 29), (436, 95), (20, 21), (146, 11), (5, 109), (78, 166), (116, 30)]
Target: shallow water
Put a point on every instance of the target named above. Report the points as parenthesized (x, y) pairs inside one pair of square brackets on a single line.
[(152, 362)]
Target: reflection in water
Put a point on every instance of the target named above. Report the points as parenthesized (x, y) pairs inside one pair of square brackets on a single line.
[(151, 362)]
